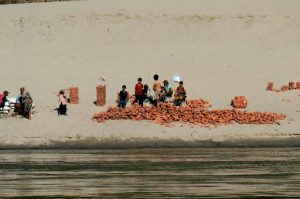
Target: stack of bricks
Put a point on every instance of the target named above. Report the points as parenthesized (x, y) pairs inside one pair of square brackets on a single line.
[(290, 86), (166, 114), (298, 85), (239, 102), (270, 86), (285, 88), (74, 95), (198, 103), (101, 95)]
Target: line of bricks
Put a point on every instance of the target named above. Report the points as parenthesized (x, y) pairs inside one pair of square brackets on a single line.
[(167, 114)]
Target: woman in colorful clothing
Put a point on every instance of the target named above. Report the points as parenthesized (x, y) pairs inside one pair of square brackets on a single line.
[(167, 91)]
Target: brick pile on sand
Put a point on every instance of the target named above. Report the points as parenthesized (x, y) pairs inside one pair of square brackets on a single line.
[(198, 103), (166, 114), (239, 102)]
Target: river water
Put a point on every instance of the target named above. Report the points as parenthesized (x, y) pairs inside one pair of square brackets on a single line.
[(151, 173)]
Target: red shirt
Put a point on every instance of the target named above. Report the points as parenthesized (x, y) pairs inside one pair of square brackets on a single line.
[(139, 89), (180, 90), (1, 98)]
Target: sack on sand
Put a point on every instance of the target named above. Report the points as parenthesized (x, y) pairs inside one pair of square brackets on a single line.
[(176, 78)]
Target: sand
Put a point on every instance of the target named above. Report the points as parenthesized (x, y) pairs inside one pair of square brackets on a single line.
[(221, 49)]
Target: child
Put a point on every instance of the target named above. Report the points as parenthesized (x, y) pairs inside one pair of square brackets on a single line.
[(156, 89), (146, 96), (180, 94), (139, 92), (62, 110), (123, 97)]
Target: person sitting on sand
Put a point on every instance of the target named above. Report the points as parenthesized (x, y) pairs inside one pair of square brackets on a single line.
[(156, 89), (146, 94), (167, 91), (123, 97), (138, 92), (180, 94), (26, 103), (3, 98), (62, 109)]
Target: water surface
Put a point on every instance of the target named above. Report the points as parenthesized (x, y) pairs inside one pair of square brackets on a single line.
[(151, 173)]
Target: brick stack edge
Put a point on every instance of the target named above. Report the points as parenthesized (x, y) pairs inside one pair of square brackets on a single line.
[(298, 85), (74, 95), (290, 86), (239, 102), (284, 88), (166, 114), (270, 86), (101, 95)]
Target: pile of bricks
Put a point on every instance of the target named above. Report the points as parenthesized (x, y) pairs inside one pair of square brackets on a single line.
[(198, 103), (101, 95), (166, 114), (270, 86), (286, 87), (239, 102), (74, 95)]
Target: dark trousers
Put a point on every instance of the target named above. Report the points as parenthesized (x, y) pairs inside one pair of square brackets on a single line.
[(62, 110), (140, 99)]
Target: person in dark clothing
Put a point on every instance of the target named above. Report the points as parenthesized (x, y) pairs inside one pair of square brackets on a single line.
[(146, 95), (62, 109), (138, 92), (123, 97)]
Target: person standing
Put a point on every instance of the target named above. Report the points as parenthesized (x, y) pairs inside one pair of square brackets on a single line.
[(62, 109), (156, 89), (123, 97), (138, 92), (26, 103)]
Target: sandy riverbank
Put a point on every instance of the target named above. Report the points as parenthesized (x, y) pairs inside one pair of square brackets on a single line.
[(221, 49)]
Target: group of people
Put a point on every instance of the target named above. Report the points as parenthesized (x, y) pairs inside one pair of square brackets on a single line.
[(162, 93), (23, 103)]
